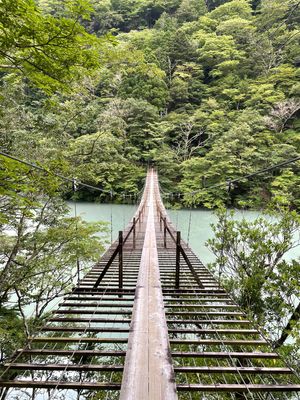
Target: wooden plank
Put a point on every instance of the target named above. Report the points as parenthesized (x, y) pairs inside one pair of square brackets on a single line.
[(221, 354), (100, 299), (58, 352), (200, 306), (91, 320), (234, 342), (51, 339), (199, 313), (199, 300), (233, 370), (208, 321), (93, 312), (213, 331), (61, 385), (199, 295), (113, 256), (109, 305), (235, 388), (83, 329), (148, 372), (64, 367), (197, 290), (204, 306)]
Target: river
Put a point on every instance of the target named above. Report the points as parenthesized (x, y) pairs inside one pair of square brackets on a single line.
[(119, 214), (200, 226)]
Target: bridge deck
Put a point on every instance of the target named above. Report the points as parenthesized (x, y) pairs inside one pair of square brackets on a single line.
[(144, 337)]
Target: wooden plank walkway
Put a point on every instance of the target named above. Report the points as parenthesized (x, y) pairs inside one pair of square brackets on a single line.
[(148, 321), (148, 372)]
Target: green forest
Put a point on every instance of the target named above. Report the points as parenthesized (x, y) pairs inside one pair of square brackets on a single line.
[(207, 91)]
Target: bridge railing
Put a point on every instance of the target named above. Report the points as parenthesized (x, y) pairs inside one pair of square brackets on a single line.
[(166, 224), (119, 250), (137, 219)]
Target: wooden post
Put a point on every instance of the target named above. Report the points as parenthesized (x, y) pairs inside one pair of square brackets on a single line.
[(133, 233), (160, 222), (140, 218), (165, 232), (178, 240), (120, 259)]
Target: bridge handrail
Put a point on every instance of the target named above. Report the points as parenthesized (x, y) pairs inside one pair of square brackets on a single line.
[(122, 240), (162, 214)]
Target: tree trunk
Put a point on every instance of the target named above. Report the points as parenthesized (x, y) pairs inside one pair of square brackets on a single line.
[(287, 330)]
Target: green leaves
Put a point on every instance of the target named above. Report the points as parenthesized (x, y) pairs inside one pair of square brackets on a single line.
[(286, 189), (40, 247), (251, 259), (50, 51), (232, 9), (214, 50)]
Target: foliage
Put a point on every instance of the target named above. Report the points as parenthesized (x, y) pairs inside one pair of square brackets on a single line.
[(211, 84), (206, 90), (40, 248), (51, 52), (251, 262)]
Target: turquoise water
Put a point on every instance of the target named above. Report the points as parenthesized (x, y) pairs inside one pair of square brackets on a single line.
[(200, 227), (199, 221)]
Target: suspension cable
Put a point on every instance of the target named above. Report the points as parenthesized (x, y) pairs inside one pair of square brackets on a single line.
[(229, 181), (67, 179)]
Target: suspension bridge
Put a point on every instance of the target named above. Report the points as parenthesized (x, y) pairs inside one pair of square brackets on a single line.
[(148, 322)]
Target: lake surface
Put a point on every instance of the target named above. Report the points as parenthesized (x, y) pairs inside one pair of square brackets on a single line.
[(199, 220)]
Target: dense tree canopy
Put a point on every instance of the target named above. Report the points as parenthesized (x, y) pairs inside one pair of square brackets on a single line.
[(206, 90), (213, 83)]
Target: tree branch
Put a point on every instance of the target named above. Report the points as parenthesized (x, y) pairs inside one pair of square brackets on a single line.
[(295, 317)]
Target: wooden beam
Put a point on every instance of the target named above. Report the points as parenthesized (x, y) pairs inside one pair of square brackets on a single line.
[(232, 370), (59, 352), (64, 367), (220, 354), (209, 342), (80, 339), (208, 321), (61, 385), (235, 388), (213, 331), (148, 372)]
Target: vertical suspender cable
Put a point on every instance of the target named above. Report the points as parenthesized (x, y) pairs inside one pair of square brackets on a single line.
[(189, 227), (75, 187), (111, 217), (124, 202)]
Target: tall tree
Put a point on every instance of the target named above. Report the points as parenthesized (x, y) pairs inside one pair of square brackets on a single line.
[(50, 51)]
